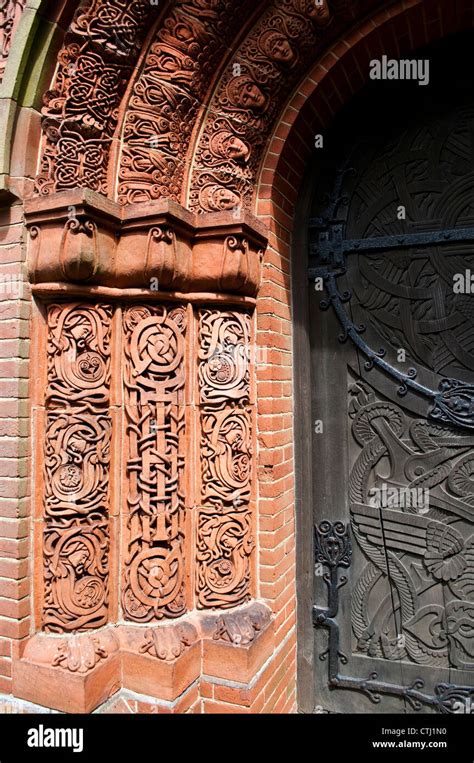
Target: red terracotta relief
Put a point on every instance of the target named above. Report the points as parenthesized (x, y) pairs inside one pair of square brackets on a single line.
[(247, 100), (224, 545), (81, 654), (80, 112), (170, 642), (76, 468), (243, 627), (224, 532), (154, 373), (75, 557), (168, 96), (224, 356), (78, 355)]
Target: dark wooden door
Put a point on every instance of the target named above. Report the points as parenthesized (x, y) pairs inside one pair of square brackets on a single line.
[(392, 334)]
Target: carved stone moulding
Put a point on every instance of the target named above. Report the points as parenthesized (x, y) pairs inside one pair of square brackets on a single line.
[(82, 238), (159, 660)]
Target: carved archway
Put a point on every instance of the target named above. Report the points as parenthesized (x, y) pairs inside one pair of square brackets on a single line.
[(142, 247)]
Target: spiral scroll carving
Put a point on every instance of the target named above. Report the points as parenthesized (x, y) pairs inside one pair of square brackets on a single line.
[(154, 368), (76, 468), (224, 533)]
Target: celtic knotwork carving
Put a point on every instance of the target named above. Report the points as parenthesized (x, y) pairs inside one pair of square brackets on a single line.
[(80, 112), (154, 377), (10, 12), (224, 545), (78, 355), (224, 356), (76, 589), (226, 453), (168, 94), (77, 456), (224, 541)]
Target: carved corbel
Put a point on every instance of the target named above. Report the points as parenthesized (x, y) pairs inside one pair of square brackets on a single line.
[(72, 237), (80, 237), (78, 254)]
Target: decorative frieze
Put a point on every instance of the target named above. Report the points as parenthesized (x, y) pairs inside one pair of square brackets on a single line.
[(80, 111), (80, 237)]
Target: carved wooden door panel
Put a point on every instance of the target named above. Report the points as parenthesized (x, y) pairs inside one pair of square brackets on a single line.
[(392, 323)]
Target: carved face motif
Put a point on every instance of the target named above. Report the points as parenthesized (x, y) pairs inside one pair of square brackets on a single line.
[(281, 50), (250, 95), (228, 146), (245, 93), (317, 11), (225, 199), (217, 198), (236, 149), (277, 47)]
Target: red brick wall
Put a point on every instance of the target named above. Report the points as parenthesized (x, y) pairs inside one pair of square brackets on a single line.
[(14, 449)]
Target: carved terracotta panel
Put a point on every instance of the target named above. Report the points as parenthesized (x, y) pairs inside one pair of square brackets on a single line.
[(154, 376), (224, 356), (77, 457), (157, 389), (226, 453), (224, 545), (168, 95), (76, 573), (224, 528), (78, 355), (76, 468)]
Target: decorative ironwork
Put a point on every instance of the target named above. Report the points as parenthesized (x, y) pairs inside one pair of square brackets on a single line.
[(453, 402), (330, 246)]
